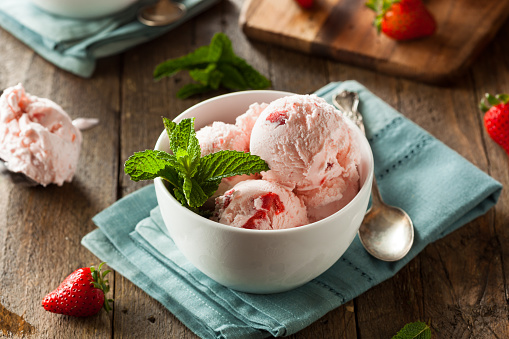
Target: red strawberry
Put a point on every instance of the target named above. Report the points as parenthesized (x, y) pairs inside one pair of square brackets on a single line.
[(403, 19), (81, 294), (496, 118), (307, 4)]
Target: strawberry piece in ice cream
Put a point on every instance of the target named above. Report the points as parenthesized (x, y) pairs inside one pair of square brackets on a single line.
[(262, 205), (37, 137), (278, 117)]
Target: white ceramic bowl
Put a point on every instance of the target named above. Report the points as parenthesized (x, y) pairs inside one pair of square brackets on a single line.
[(83, 9), (259, 261)]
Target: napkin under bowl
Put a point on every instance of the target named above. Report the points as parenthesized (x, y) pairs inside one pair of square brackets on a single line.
[(438, 188)]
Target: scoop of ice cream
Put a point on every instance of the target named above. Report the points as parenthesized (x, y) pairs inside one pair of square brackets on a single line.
[(330, 197), (247, 120), (308, 147), (260, 204), (37, 137), (221, 137)]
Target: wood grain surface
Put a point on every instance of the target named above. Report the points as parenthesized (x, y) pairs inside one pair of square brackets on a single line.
[(459, 283), (343, 30)]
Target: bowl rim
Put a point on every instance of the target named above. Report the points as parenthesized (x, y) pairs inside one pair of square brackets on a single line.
[(366, 186)]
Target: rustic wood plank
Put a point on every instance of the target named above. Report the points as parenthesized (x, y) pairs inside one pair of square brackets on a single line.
[(41, 228), (342, 29)]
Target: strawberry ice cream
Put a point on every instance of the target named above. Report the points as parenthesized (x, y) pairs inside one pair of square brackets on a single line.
[(247, 120), (308, 147), (37, 137), (262, 205), (220, 137)]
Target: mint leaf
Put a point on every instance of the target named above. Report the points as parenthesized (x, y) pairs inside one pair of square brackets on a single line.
[(209, 76), (213, 66), (223, 164), (192, 89), (194, 193), (415, 330), (173, 161), (194, 178), (198, 58), (210, 186), (217, 45), (232, 79), (178, 193), (169, 126), (228, 54), (184, 144), (148, 165), (253, 78)]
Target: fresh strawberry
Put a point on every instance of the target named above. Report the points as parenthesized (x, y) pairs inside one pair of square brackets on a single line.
[(81, 294), (403, 19), (307, 4), (496, 118)]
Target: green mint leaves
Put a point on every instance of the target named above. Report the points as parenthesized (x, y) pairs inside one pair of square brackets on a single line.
[(213, 66), (193, 178), (416, 330)]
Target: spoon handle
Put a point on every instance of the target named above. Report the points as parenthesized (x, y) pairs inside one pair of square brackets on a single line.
[(348, 103), (376, 197)]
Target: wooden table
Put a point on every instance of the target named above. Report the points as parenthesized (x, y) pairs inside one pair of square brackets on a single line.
[(459, 283)]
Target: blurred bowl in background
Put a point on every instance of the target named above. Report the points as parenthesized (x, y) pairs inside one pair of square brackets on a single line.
[(83, 9)]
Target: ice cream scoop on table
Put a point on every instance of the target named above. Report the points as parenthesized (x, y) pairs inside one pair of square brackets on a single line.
[(38, 138)]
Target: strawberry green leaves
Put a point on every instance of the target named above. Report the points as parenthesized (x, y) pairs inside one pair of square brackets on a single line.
[(212, 67), (193, 178), (489, 100)]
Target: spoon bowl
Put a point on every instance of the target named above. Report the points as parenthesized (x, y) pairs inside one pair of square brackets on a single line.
[(162, 13), (387, 232)]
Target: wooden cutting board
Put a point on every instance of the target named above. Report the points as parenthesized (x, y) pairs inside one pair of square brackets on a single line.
[(343, 30)]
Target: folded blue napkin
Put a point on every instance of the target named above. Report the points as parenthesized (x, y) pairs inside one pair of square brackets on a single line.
[(75, 44), (438, 188)]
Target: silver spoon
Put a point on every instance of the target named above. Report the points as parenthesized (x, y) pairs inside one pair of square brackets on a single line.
[(386, 232), (162, 13)]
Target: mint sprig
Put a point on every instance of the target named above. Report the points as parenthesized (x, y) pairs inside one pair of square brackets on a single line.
[(212, 67), (193, 178), (415, 330)]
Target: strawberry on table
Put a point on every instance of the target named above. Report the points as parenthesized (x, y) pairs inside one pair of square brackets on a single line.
[(307, 4), (402, 19), (496, 118), (81, 294)]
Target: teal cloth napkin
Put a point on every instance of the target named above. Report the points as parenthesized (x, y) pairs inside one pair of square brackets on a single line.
[(73, 44), (438, 188)]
